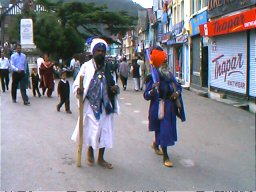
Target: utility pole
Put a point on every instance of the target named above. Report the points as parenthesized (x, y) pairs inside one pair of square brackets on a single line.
[(2, 25)]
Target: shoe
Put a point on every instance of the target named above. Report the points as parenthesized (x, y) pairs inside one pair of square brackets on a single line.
[(58, 108), (14, 101), (168, 163), (26, 103), (156, 148), (69, 111)]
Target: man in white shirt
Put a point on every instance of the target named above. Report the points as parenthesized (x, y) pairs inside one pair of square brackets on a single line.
[(142, 65), (4, 71)]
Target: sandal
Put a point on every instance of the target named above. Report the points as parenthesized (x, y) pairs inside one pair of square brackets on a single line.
[(105, 164), (156, 148)]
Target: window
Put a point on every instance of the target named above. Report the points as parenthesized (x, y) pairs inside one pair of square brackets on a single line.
[(199, 5), (179, 13), (175, 15), (205, 3), (182, 10), (192, 6)]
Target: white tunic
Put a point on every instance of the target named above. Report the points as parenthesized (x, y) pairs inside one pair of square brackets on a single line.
[(96, 133)]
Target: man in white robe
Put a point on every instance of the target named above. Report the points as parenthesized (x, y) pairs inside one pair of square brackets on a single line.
[(97, 125)]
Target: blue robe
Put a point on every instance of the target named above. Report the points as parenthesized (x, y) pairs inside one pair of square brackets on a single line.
[(165, 129)]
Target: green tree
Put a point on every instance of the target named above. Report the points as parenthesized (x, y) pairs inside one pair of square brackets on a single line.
[(90, 20), (55, 40), (63, 29)]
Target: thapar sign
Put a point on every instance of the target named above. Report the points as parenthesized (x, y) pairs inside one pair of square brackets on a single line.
[(26, 33), (235, 23)]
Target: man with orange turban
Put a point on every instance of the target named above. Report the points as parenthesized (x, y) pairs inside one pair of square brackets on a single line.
[(162, 88)]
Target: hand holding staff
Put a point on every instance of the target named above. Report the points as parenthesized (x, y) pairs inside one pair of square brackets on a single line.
[(80, 143)]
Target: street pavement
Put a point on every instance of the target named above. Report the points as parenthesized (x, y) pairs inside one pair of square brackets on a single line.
[(215, 148)]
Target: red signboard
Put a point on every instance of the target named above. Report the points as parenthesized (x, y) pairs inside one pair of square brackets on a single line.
[(238, 22)]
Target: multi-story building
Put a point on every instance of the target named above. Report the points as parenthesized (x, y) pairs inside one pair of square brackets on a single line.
[(199, 46), (210, 44), (178, 43), (231, 47)]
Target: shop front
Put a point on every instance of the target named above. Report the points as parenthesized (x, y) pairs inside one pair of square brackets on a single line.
[(199, 52), (179, 53), (232, 54)]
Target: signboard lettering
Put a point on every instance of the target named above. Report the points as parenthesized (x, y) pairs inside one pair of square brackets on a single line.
[(235, 23), (221, 7), (227, 66)]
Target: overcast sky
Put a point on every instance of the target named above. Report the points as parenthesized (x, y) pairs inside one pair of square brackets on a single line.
[(145, 3)]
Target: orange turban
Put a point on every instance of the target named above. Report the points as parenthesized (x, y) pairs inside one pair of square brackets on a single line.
[(158, 57)]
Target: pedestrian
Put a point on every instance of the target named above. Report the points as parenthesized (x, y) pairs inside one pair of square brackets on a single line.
[(142, 71), (19, 66), (35, 82), (164, 94), (100, 104), (136, 75), (124, 69), (75, 65), (5, 67), (39, 62), (47, 76), (64, 92)]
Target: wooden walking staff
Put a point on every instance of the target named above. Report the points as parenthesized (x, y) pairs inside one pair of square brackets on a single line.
[(80, 142)]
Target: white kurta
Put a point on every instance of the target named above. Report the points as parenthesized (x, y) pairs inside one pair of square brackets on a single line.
[(96, 133)]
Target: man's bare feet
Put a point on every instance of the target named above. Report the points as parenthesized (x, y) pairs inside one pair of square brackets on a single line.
[(90, 157), (105, 164)]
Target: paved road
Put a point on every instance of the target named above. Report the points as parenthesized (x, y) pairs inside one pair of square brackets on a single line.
[(215, 149)]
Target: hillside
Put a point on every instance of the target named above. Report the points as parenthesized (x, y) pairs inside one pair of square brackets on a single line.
[(113, 5)]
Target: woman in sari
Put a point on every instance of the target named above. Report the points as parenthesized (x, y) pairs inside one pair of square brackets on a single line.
[(46, 73)]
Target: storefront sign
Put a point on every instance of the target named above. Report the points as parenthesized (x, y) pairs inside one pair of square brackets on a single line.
[(222, 7), (227, 69), (165, 37), (177, 28), (235, 23), (196, 21), (228, 63), (182, 38), (159, 32)]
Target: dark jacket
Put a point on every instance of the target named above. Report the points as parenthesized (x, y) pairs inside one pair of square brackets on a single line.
[(63, 90)]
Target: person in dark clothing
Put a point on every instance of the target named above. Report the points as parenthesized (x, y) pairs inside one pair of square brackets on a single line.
[(136, 74), (64, 92), (5, 66), (35, 82)]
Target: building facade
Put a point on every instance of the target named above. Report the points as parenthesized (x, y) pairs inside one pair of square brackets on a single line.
[(231, 46)]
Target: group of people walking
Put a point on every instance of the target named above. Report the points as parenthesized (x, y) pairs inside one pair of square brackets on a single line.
[(137, 70), (41, 76), (99, 93)]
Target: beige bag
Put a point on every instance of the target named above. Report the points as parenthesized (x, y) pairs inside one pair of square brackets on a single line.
[(161, 109)]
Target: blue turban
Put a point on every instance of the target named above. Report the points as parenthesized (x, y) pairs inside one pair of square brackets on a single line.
[(98, 44)]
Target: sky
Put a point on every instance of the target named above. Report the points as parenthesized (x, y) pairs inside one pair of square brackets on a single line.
[(144, 3)]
